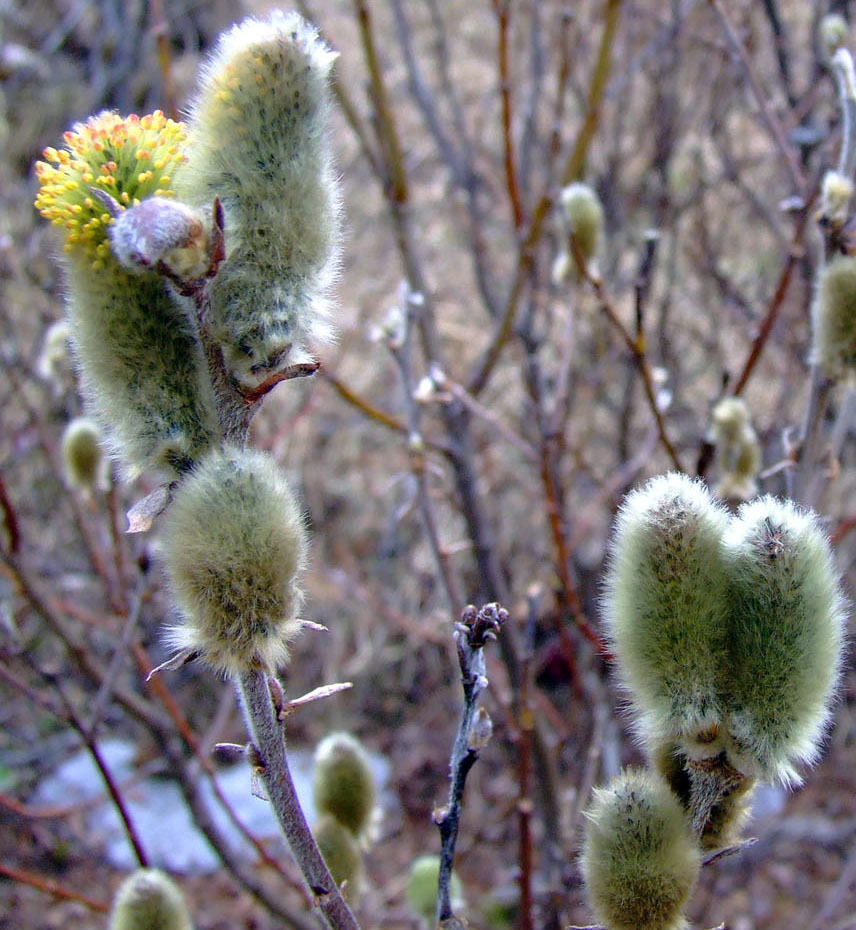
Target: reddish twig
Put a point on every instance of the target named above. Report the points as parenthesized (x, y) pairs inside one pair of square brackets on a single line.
[(364, 406), (53, 888), (156, 685), (795, 253), (10, 519), (636, 345), (772, 124), (501, 9), (94, 750), (573, 168)]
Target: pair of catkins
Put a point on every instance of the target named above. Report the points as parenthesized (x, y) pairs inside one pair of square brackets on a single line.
[(197, 261), (727, 633)]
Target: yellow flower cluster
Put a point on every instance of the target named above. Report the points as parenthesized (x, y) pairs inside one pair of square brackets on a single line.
[(130, 158)]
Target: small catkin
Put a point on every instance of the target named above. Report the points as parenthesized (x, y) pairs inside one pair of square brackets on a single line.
[(141, 363), (341, 852), (665, 608), (580, 215), (234, 545), (343, 783), (258, 141), (738, 450), (55, 359), (786, 637), (149, 900), (833, 32), (422, 887), (640, 860), (836, 191), (82, 455), (834, 318)]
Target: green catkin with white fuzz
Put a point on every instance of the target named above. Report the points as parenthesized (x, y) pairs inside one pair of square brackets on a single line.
[(834, 319), (142, 368), (640, 860), (55, 359), (737, 448), (580, 214), (234, 545), (833, 31), (259, 142), (343, 782), (786, 638), (141, 362), (149, 900), (665, 608), (836, 192), (422, 887), (82, 456), (341, 852)]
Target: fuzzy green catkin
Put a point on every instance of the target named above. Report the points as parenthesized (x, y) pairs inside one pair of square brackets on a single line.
[(141, 363), (786, 637), (836, 191), (833, 31), (259, 142), (584, 217), (640, 860), (834, 318), (581, 214), (81, 454), (737, 448), (422, 887), (141, 366), (54, 359), (343, 782), (341, 852), (665, 608), (149, 900), (234, 545)]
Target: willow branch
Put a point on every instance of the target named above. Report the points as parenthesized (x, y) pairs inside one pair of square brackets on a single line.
[(572, 171), (52, 888), (471, 636), (269, 742), (502, 18), (771, 123), (635, 344)]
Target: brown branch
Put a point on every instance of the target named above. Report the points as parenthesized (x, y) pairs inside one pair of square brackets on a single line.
[(501, 9), (51, 887), (363, 405), (576, 162), (795, 253), (10, 519), (472, 633), (94, 750), (771, 122), (387, 132), (269, 745), (156, 685), (634, 344), (402, 352), (572, 171)]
